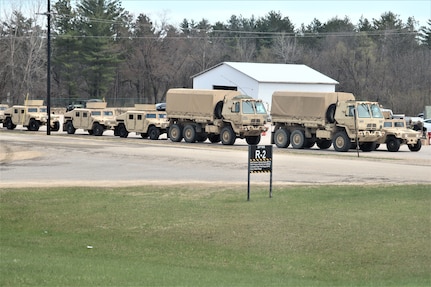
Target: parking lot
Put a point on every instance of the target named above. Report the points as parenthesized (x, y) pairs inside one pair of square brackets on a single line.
[(35, 159)]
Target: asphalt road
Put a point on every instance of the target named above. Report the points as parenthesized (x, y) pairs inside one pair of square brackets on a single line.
[(35, 159)]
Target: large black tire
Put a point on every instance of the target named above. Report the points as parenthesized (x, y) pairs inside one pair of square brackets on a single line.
[(56, 127), (341, 142), (98, 129), (33, 125), (415, 147), (122, 131), (213, 138), (227, 136), (175, 133), (9, 124), (70, 129), (218, 110), (367, 146), (393, 144), (201, 137), (297, 139), (282, 138), (253, 140), (153, 133), (189, 134), (330, 113), (323, 143)]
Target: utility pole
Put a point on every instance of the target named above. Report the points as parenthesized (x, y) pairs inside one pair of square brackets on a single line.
[(48, 75)]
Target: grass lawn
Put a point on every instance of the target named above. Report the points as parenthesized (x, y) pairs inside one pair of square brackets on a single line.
[(208, 236)]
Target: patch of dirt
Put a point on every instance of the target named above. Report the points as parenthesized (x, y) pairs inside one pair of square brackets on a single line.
[(9, 154)]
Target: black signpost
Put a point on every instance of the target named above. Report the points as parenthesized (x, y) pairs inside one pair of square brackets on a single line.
[(259, 161)]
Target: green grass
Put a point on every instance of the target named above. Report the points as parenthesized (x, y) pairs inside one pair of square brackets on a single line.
[(192, 236)]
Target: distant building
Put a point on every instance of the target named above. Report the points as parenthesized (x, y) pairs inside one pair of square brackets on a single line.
[(260, 80)]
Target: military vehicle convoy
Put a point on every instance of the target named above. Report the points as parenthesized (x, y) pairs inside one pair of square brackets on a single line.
[(32, 115), (396, 133), (145, 120), (95, 119), (303, 119), (219, 115)]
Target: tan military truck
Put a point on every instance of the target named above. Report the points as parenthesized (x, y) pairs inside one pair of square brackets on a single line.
[(144, 120), (32, 115), (303, 119), (95, 118), (396, 133), (218, 115)]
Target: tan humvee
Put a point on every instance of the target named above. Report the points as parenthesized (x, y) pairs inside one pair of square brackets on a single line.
[(2, 109), (95, 119), (32, 115), (396, 133), (145, 120)]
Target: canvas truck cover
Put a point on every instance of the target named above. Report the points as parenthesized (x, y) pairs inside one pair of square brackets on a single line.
[(307, 106), (96, 105), (189, 103), (33, 103)]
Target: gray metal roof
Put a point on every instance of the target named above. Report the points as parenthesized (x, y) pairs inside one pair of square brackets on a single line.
[(277, 73)]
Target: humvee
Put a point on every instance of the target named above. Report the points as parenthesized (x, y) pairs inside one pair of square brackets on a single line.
[(145, 120), (396, 133), (2, 109), (95, 119), (31, 115)]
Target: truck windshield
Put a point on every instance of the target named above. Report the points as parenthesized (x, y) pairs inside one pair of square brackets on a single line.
[(376, 112), (32, 110), (96, 113), (363, 111), (42, 110), (260, 108), (108, 113), (247, 107)]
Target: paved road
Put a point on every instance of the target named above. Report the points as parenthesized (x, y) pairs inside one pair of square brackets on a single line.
[(35, 159)]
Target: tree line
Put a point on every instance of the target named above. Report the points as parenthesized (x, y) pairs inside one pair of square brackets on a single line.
[(99, 50)]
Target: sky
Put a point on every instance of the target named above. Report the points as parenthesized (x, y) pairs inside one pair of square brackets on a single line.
[(173, 12)]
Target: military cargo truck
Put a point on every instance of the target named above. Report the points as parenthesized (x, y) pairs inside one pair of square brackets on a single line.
[(95, 118), (396, 133), (32, 115), (218, 115), (145, 120), (303, 119)]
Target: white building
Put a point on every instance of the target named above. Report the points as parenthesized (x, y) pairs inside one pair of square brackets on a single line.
[(260, 80)]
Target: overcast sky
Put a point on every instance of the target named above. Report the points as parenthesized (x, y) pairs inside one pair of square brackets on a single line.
[(220, 10)]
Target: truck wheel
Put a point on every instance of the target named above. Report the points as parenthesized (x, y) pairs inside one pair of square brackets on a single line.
[(122, 131), (393, 144), (201, 137), (175, 133), (415, 147), (297, 139), (323, 143), (153, 133), (330, 114), (214, 138), (227, 136), (368, 146), (33, 125), (189, 134), (70, 129), (341, 142), (282, 138), (218, 110), (9, 124), (253, 140), (56, 127), (98, 129)]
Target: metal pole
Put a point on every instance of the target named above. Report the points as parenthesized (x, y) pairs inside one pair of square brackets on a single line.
[(48, 76)]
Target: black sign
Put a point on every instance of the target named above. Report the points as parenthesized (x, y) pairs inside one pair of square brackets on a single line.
[(260, 161)]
